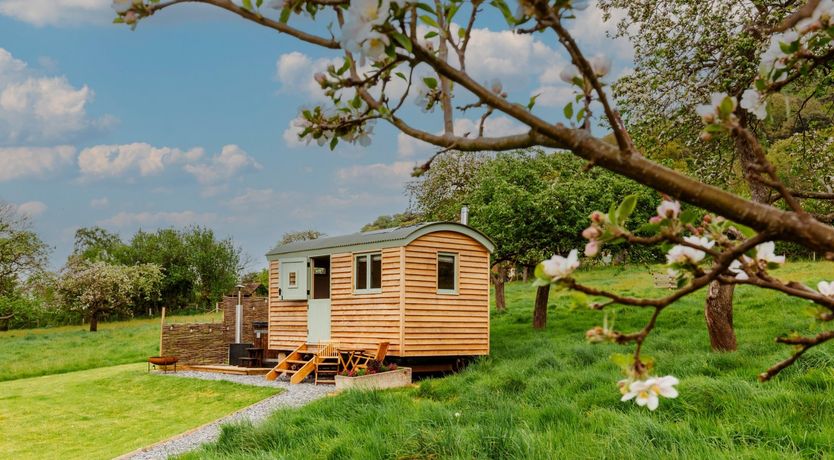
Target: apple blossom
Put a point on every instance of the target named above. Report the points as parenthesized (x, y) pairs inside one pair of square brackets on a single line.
[(681, 254), (601, 65), (765, 252), (121, 6), (738, 270), (569, 74), (591, 233), (826, 289), (754, 103), (558, 267), (647, 392), (669, 209), (496, 86), (277, 4)]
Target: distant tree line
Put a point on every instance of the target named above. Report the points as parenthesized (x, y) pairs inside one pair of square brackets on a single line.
[(106, 277)]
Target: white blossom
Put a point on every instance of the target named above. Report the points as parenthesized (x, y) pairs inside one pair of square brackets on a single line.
[(765, 252), (496, 86), (558, 267), (358, 34), (775, 57), (569, 74), (826, 289), (680, 254), (738, 270), (121, 6), (371, 12), (669, 209), (601, 65), (276, 4), (647, 392), (374, 46), (754, 103)]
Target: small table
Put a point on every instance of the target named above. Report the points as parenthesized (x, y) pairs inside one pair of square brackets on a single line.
[(352, 360), (255, 359)]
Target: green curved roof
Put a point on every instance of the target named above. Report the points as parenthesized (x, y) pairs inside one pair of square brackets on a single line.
[(390, 237)]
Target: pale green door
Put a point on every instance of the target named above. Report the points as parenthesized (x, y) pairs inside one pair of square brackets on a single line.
[(318, 320)]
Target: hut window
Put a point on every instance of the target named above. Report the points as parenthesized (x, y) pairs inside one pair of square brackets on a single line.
[(293, 279), (368, 272), (447, 273)]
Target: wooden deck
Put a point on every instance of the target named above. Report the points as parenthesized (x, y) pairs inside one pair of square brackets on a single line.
[(226, 369)]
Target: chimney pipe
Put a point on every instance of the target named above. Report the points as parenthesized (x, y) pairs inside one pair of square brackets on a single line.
[(464, 214)]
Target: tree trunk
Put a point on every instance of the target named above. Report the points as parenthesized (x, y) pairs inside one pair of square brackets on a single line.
[(94, 321), (524, 274), (718, 312), (540, 310), (718, 309), (498, 280)]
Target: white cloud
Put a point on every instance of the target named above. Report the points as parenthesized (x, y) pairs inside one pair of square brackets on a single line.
[(513, 58), (295, 72), (153, 219), (231, 160), (55, 12), (265, 198), (99, 203), (291, 135), (31, 208), (391, 175), (40, 109), (102, 161), (18, 162), (495, 126)]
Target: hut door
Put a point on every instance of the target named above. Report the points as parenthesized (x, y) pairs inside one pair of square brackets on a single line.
[(293, 279), (318, 306)]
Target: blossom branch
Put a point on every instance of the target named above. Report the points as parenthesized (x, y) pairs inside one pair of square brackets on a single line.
[(803, 343)]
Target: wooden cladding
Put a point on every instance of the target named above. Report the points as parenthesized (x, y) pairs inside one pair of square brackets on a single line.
[(407, 310)]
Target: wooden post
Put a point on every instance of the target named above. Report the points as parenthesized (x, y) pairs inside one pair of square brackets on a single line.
[(161, 330)]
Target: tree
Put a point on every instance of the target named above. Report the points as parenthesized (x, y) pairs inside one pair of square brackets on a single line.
[(22, 253), (714, 45), (403, 219), (437, 195), (216, 264), (300, 235), (96, 288), (96, 243), (533, 204), (380, 41)]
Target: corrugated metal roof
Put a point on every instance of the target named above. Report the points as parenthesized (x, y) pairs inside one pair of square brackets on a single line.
[(388, 236)]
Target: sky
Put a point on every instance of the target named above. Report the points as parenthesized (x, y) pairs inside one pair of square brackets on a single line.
[(188, 120)]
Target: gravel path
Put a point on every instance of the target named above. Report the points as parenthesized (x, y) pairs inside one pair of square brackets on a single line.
[(293, 396)]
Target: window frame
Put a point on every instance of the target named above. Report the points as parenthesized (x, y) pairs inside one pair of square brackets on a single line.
[(456, 275), (368, 270)]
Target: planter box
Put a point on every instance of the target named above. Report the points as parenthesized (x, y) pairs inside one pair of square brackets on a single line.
[(391, 379)]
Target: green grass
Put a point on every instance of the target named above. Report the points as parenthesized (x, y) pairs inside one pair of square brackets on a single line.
[(34, 352), (548, 394), (103, 413)]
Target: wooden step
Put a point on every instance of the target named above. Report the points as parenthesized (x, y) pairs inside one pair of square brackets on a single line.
[(297, 361)]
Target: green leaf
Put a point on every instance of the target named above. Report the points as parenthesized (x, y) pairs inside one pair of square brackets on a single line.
[(568, 111), (430, 34), (285, 15), (431, 82), (248, 5), (612, 213), (452, 11), (532, 101), (726, 106), (402, 40), (505, 11), (425, 7), (333, 142), (626, 208), (401, 75), (429, 21), (461, 32), (689, 216), (578, 300), (258, 3)]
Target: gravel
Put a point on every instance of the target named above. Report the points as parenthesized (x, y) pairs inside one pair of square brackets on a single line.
[(293, 396)]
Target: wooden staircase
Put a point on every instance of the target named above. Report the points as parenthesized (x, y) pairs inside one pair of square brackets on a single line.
[(321, 359)]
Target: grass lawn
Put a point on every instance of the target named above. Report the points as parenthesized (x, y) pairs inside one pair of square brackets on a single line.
[(106, 412), (34, 352), (549, 394)]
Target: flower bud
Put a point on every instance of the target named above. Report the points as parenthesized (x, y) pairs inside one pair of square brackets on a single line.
[(320, 78), (707, 219), (592, 248), (591, 233), (655, 220), (496, 86), (569, 73), (601, 65), (131, 17), (705, 136), (597, 217)]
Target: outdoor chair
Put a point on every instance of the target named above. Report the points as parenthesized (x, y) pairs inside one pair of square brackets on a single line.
[(362, 359)]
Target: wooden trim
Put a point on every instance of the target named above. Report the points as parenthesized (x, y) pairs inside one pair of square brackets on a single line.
[(402, 301)]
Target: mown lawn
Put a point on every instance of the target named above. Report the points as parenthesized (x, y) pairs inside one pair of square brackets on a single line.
[(548, 394), (34, 352), (103, 413)]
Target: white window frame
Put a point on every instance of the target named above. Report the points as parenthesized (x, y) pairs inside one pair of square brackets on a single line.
[(456, 273), (369, 255)]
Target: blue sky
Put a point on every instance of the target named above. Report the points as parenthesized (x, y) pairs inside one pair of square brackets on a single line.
[(187, 120)]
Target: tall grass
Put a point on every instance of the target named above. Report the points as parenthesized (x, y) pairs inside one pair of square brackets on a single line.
[(548, 394), (33, 352)]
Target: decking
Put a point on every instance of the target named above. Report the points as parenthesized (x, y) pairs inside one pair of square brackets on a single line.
[(226, 369)]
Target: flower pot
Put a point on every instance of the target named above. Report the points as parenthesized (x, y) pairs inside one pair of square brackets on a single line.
[(391, 379)]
